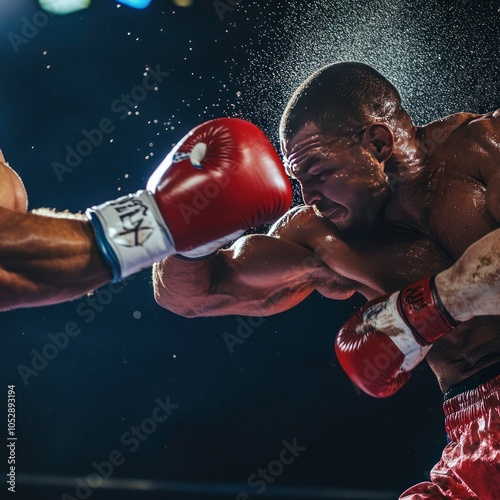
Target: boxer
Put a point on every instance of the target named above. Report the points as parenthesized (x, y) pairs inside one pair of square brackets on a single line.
[(387, 204), (51, 258)]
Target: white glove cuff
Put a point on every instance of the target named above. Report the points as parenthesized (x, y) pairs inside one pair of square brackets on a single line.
[(131, 233), (385, 318)]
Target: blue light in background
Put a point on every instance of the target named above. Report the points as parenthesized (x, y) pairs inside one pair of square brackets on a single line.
[(136, 4)]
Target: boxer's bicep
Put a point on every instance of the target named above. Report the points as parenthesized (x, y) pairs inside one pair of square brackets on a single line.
[(45, 260), (272, 274), (258, 275), (482, 139)]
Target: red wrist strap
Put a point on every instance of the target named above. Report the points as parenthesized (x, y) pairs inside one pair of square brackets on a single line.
[(422, 310)]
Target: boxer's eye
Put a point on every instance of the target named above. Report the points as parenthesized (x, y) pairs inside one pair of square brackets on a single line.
[(321, 172), (324, 174)]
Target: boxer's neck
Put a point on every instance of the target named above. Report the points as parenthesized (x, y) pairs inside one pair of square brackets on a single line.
[(410, 175), (415, 170)]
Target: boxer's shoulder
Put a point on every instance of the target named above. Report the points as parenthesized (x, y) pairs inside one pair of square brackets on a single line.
[(471, 156), (453, 122), (478, 135), (485, 122), (443, 140), (473, 151), (444, 129)]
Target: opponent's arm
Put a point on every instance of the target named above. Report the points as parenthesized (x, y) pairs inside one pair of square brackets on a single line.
[(191, 206), (389, 336), (45, 260), (471, 287)]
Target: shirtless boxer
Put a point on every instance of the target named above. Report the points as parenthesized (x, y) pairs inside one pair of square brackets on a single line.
[(387, 203), (52, 258)]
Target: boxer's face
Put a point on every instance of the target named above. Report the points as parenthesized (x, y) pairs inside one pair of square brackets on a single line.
[(339, 177), (12, 193)]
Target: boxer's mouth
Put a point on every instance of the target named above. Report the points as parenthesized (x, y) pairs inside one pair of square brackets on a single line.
[(334, 214)]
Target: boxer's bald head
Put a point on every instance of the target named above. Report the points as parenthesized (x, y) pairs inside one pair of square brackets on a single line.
[(341, 98), (338, 132)]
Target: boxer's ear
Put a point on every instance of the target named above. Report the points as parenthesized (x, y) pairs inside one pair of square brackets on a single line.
[(378, 137)]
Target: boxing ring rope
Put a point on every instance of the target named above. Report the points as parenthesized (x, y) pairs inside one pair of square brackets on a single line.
[(225, 489)]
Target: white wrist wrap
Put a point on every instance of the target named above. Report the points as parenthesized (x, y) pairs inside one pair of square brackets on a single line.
[(131, 233), (384, 317)]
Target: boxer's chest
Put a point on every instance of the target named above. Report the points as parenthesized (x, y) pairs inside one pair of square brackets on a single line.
[(460, 216)]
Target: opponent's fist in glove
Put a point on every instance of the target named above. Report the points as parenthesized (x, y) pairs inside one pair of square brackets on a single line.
[(222, 178), (389, 336)]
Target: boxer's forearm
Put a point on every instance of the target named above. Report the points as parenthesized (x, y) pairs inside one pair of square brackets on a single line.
[(180, 285), (46, 260), (471, 287), (257, 276)]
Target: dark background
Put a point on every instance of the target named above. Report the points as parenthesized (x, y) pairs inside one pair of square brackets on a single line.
[(283, 382)]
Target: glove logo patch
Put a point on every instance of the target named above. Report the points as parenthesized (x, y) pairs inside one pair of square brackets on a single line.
[(134, 230), (415, 298), (196, 155)]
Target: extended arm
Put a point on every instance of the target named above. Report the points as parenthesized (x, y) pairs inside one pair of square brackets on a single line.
[(259, 275), (44, 260)]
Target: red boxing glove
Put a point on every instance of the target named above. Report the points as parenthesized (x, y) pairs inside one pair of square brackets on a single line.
[(222, 178), (380, 345)]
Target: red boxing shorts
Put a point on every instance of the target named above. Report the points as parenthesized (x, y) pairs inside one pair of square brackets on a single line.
[(469, 468)]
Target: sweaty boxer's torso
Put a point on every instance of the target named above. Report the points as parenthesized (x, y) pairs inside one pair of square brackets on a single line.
[(453, 217)]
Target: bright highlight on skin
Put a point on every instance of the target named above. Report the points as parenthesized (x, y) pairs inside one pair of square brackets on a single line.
[(62, 7)]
